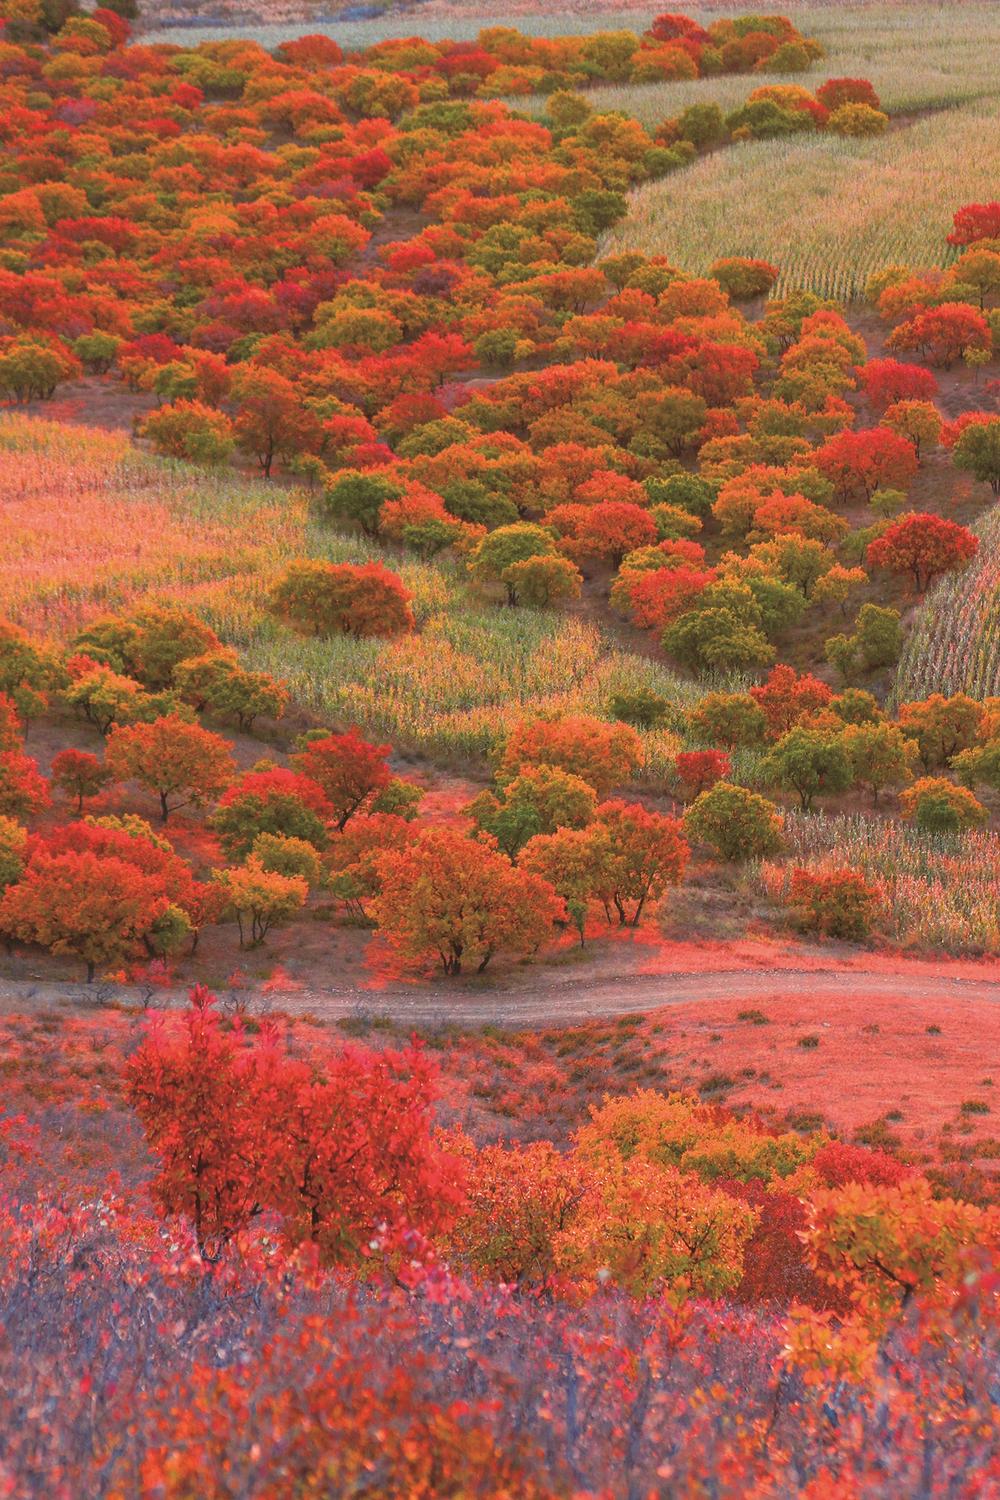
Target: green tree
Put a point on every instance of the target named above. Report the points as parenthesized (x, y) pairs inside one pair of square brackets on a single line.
[(809, 761), (737, 823), (190, 430), (979, 766), (717, 640), (501, 549), (937, 805), (540, 581), (642, 708), (672, 418), (281, 855), (879, 755), (684, 491), (539, 800), (356, 498), (978, 451), (799, 560), (979, 269), (728, 719), (877, 642)]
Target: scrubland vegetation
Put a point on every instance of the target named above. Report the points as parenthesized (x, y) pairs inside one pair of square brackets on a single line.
[(458, 546)]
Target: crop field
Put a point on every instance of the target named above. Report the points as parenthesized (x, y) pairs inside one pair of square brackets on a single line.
[(955, 642), (92, 525), (917, 57), (828, 212), (914, 54), (454, 691), (499, 924), (935, 893), (365, 33)]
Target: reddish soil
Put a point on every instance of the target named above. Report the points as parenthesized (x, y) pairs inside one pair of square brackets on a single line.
[(898, 1057), (94, 401), (896, 1075)]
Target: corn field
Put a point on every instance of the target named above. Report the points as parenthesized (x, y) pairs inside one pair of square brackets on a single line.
[(827, 211), (455, 688), (915, 55), (935, 892), (91, 525), (954, 645)]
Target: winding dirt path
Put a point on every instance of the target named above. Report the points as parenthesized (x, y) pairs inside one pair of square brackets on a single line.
[(563, 1002)]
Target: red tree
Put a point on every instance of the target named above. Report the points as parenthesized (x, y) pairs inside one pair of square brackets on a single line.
[(886, 381), (669, 28), (349, 770), (450, 898), (11, 730), (173, 877), (859, 463), (658, 597), (786, 698), (339, 1148), (270, 418), (24, 792), (944, 333), (924, 546), (840, 1163), (838, 91), (613, 529), (603, 755), (698, 769), (975, 221)]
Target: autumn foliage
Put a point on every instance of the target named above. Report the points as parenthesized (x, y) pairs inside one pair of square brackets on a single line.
[(923, 546), (242, 1128), (246, 1255)]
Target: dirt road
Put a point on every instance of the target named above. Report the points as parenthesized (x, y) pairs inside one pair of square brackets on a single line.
[(563, 1002)]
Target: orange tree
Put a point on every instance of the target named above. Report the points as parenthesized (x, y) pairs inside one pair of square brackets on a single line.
[(450, 898), (181, 762), (321, 598), (99, 908), (884, 1245), (648, 853), (604, 755)]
